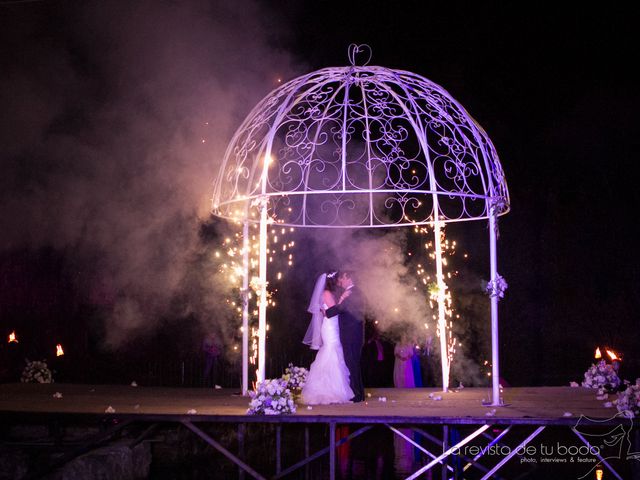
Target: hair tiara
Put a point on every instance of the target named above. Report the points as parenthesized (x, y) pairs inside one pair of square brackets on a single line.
[(331, 275)]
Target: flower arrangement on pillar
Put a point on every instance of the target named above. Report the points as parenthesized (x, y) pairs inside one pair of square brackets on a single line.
[(497, 287)]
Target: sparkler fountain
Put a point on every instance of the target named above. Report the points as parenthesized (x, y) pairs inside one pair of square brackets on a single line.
[(363, 147)]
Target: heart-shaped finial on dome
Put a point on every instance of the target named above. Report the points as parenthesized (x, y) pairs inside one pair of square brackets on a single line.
[(360, 55)]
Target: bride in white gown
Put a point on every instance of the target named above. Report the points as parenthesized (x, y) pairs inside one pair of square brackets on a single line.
[(328, 379)]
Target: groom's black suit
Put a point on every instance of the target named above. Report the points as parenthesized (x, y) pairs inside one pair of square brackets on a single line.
[(351, 321)]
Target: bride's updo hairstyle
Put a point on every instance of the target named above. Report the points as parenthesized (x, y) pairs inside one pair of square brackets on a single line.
[(332, 281)]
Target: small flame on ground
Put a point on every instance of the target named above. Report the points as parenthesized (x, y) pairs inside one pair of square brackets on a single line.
[(59, 350), (12, 337)]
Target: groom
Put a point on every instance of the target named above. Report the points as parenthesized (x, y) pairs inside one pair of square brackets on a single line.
[(351, 321)]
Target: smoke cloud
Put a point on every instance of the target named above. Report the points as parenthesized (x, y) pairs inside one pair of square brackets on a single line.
[(395, 296), (116, 117)]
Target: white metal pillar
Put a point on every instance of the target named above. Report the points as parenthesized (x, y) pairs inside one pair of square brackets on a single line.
[(262, 302), (495, 357), (245, 306), (442, 320), (262, 305)]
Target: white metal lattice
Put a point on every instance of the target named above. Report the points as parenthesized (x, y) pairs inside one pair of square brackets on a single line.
[(361, 146)]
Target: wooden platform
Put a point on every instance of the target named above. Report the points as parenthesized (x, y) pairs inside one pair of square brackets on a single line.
[(525, 405)]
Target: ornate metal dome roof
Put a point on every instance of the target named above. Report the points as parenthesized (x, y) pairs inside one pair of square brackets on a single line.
[(360, 146)]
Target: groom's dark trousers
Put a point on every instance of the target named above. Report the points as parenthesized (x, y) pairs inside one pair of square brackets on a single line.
[(351, 322)]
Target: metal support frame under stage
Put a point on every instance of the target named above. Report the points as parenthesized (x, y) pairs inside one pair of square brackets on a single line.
[(436, 458), (443, 452)]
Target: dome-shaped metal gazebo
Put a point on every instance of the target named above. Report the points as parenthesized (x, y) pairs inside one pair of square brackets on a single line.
[(361, 147)]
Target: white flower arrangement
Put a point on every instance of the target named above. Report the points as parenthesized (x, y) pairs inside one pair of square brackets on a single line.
[(497, 288), (601, 375), (499, 204), (271, 397), (628, 402), (296, 377), (36, 372)]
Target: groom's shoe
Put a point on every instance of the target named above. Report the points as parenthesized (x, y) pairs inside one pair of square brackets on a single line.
[(358, 399)]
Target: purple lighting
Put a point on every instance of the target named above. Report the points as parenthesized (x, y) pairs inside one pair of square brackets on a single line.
[(363, 147)]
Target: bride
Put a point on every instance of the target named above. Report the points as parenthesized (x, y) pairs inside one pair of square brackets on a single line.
[(328, 378)]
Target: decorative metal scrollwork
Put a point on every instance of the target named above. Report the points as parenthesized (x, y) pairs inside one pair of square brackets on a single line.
[(361, 146)]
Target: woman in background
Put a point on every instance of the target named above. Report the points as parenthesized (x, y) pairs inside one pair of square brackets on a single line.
[(403, 369)]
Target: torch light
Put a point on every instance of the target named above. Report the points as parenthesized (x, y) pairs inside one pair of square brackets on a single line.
[(12, 337), (616, 360), (613, 356), (59, 350), (597, 355)]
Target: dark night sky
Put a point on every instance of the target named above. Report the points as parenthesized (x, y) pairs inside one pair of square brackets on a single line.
[(557, 93), (556, 90)]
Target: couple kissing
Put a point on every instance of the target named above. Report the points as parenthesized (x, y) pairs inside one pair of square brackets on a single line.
[(336, 330)]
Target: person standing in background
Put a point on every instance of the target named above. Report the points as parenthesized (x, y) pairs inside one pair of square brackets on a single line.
[(377, 358), (211, 350), (415, 363), (403, 368)]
